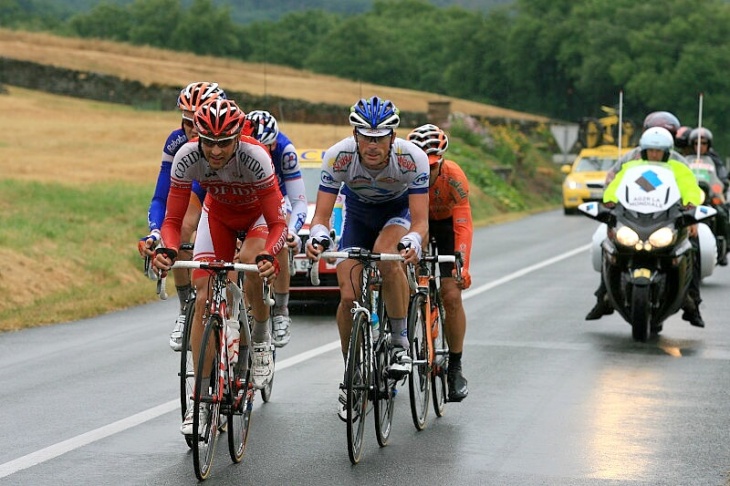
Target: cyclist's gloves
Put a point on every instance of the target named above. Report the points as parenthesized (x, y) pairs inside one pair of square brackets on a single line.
[(265, 257), (294, 238), (142, 243), (412, 240), (319, 234), (169, 253)]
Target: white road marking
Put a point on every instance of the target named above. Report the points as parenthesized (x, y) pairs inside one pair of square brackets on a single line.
[(60, 448)]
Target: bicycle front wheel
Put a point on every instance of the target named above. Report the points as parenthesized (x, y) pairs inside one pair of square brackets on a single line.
[(239, 413), (207, 400), (357, 386), (441, 358), (384, 387), (419, 381), (186, 375)]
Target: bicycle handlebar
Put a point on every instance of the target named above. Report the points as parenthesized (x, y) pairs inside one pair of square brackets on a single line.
[(355, 253)]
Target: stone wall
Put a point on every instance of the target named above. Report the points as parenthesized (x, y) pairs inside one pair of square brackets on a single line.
[(103, 87)]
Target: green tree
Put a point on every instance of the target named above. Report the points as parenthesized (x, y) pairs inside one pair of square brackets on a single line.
[(105, 21), (206, 29), (153, 21)]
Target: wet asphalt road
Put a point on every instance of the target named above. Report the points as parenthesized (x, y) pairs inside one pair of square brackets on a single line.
[(554, 399)]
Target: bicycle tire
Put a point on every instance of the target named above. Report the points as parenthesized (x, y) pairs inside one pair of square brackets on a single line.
[(357, 386), (205, 436), (186, 375), (239, 412), (385, 390), (419, 380), (440, 367)]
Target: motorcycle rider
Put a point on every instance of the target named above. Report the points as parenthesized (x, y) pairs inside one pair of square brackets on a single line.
[(681, 140), (702, 137), (662, 119), (656, 146)]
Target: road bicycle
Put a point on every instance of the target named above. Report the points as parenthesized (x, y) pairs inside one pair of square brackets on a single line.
[(429, 348), (228, 389), (368, 358)]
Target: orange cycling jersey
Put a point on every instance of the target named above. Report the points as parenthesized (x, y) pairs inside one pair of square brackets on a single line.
[(449, 198)]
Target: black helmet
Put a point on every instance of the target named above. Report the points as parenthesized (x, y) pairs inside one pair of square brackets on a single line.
[(662, 119)]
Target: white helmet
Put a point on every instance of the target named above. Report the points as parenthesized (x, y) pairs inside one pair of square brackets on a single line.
[(656, 138), (265, 128)]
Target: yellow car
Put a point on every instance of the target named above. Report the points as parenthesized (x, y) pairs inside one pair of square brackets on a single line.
[(586, 176)]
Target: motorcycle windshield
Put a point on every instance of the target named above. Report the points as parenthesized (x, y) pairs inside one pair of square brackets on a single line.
[(703, 168), (648, 188)]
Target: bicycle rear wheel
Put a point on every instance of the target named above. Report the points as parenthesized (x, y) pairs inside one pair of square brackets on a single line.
[(186, 375), (441, 358), (419, 381), (357, 386), (239, 413), (384, 387), (207, 394)]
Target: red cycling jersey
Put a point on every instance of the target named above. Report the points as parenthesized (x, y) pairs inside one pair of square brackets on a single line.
[(449, 198), (237, 194)]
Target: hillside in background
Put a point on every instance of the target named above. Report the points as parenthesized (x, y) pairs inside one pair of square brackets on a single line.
[(168, 68), (246, 11)]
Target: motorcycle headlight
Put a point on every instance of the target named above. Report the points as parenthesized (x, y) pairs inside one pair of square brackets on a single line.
[(662, 237), (626, 236)]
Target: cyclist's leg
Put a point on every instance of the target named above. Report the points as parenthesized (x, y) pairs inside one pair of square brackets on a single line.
[(263, 360), (455, 319), (281, 321), (181, 275)]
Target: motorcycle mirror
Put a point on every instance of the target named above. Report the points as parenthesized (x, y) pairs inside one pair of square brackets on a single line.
[(597, 210)]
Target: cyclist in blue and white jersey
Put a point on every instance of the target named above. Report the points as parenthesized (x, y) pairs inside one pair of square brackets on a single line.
[(386, 185), (265, 129), (192, 96)]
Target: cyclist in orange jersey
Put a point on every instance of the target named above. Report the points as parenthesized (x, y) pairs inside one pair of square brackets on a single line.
[(450, 223)]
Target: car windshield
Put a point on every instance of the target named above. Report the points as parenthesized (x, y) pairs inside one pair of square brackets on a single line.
[(594, 164)]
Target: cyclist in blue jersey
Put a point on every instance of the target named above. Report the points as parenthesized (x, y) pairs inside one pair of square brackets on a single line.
[(386, 185), (265, 129), (192, 96)]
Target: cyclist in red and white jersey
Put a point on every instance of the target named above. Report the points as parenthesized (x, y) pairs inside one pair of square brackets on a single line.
[(265, 129), (192, 96), (242, 196), (450, 222), (386, 185)]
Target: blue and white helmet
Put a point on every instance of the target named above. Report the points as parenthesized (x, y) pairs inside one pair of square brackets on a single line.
[(374, 117), (264, 126)]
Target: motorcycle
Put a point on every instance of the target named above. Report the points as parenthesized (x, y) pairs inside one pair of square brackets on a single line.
[(647, 258), (706, 174)]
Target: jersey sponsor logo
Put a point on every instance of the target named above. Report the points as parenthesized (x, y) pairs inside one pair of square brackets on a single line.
[(185, 162), (289, 161), (252, 164), (326, 178), (342, 161), (421, 180), (227, 189), (406, 163), (175, 145), (458, 187)]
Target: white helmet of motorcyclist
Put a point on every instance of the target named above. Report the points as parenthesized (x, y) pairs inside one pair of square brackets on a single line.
[(656, 138)]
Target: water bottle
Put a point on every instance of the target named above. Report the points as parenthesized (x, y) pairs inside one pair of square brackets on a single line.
[(374, 319), (233, 338)]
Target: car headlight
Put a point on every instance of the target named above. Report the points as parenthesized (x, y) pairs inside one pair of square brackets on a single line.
[(574, 185), (662, 237), (626, 236)]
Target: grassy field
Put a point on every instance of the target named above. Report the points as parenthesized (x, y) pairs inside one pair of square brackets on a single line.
[(76, 176)]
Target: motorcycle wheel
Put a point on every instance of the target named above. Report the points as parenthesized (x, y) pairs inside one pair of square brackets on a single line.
[(640, 315)]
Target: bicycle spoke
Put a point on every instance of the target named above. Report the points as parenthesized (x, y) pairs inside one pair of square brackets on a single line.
[(419, 381), (357, 385)]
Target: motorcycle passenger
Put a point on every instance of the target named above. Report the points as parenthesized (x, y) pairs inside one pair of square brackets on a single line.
[(656, 146), (662, 119), (681, 140), (702, 138)]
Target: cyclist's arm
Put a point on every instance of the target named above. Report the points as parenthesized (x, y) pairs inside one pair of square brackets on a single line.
[(158, 205), (271, 202), (298, 199), (418, 207), (463, 230)]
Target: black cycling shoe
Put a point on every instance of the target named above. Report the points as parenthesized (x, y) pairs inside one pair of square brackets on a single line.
[(602, 308), (457, 384), (694, 317)]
